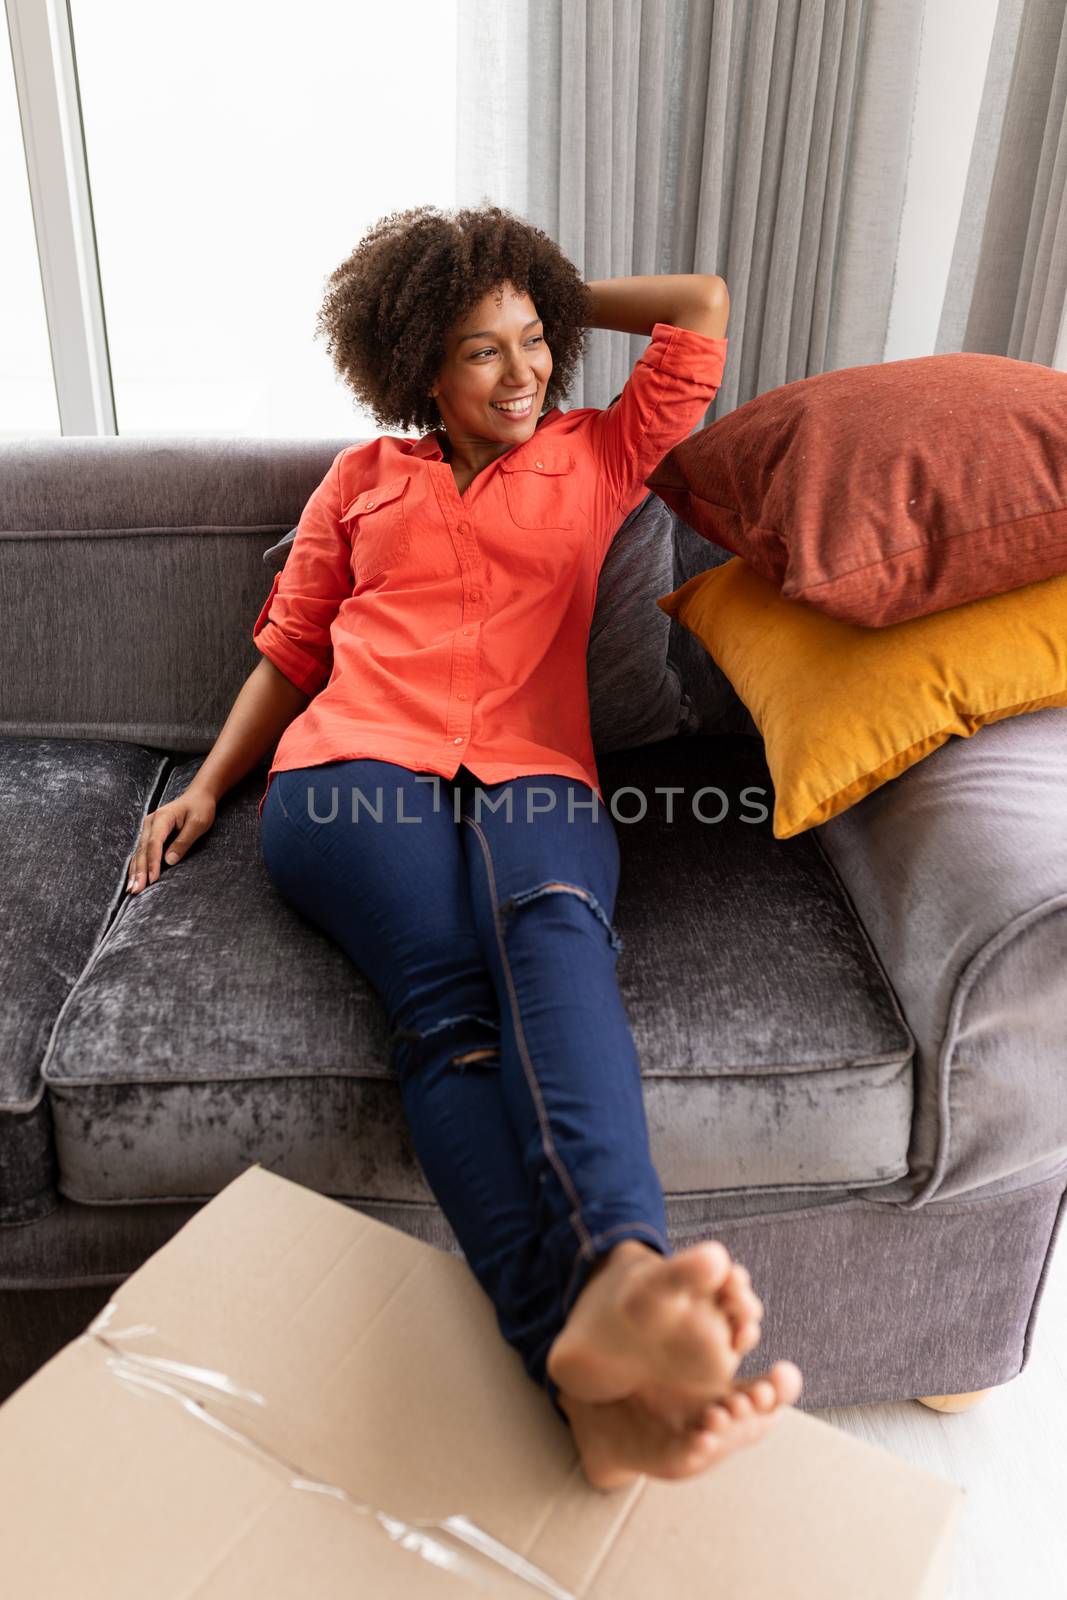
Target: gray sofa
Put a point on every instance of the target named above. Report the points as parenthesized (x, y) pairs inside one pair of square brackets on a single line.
[(854, 1042)]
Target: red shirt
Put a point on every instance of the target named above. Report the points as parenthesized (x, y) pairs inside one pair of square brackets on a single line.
[(434, 628)]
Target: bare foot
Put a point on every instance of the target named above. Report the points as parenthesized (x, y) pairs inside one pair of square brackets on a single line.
[(649, 1323), (618, 1440)]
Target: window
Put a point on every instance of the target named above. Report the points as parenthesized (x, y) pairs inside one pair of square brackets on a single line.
[(236, 154), (27, 390)]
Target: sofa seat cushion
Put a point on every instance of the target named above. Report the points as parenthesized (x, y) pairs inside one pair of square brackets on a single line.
[(72, 812), (218, 1028), (773, 1051)]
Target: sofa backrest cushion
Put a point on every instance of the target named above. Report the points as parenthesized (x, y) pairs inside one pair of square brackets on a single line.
[(132, 570)]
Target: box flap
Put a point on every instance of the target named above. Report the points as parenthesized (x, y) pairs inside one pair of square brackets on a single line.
[(290, 1397)]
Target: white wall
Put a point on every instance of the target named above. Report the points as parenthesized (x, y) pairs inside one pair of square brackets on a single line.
[(954, 52)]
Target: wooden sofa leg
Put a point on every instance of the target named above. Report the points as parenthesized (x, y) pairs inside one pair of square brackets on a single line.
[(953, 1402)]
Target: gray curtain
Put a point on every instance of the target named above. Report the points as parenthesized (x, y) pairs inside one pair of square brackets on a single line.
[(1008, 284), (767, 141)]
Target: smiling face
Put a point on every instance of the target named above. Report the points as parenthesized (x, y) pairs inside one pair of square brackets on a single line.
[(497, 353)]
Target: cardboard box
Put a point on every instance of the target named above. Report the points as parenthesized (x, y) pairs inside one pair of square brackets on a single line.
[(293, 1400)]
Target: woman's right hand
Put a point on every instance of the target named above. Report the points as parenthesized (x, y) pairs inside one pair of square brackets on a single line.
[(192, 813)]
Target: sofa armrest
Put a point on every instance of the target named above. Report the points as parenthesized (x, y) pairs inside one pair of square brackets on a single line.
[(958, 870)]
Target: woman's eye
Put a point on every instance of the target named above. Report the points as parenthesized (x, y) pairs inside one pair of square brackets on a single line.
[(538, 338)]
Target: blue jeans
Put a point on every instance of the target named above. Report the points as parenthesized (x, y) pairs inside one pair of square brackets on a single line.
[(483, 920)]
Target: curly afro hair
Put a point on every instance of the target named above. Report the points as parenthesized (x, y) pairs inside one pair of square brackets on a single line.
[(390, 305)]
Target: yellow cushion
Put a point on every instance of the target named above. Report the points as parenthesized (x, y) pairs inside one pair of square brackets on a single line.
[(843, 708)]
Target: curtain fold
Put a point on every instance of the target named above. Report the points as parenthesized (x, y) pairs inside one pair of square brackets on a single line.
[(1008, 282), (770, 142)]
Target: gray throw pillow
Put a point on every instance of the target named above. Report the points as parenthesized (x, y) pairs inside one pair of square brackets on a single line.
[(635, 697), (709, 700), (275, 556)]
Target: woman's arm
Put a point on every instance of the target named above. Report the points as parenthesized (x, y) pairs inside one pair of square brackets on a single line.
[(695, 300), (264, 708), (670, 388)]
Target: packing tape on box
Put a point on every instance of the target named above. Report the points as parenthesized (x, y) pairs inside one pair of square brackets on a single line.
[(177, 1380)]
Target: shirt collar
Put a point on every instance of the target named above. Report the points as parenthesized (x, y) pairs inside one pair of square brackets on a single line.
[(428, 447)]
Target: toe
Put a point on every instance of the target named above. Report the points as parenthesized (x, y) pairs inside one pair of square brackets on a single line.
[(745, 1323), (738, 1299), (716, 1419), (746, 1337), (740, 1277), (742, 1296), (717, 1257), (703, 1268), (706, 1448), (739, 1405), (752, 1304), (666, 1455), (728, 1426), (762, 1393), (788, 1381)]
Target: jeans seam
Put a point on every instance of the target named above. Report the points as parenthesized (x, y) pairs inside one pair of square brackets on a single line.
[(277, 788), (554, 1158), (306, 834)]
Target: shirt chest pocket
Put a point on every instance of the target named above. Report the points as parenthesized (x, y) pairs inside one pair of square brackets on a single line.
[(540, 488), (378, 528)]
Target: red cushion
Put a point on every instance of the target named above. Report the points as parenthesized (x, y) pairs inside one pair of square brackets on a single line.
[(880, 493)]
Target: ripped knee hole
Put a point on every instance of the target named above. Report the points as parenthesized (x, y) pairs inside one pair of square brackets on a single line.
[(509, 906)]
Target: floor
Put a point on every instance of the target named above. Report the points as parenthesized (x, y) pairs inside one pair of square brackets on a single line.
[(1008, 1454)]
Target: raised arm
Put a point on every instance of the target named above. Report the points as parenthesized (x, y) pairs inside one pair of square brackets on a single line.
[(695, 300), (673, 382)]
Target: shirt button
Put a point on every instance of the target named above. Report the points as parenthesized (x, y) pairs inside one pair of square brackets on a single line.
[(461, 697), (459, 740), (476, 594), (538, 463), (464, 527), (370, 503), (468, 630)]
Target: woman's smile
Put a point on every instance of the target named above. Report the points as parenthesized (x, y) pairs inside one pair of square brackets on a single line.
[(515, 411)]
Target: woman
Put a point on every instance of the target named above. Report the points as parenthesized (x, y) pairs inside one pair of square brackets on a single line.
[(434, 806)]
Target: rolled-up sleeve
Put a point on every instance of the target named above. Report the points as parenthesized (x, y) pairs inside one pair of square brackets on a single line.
[(293, 628), (673, 382)]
